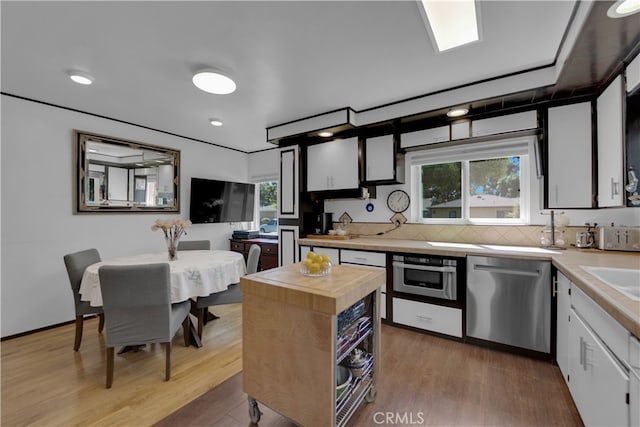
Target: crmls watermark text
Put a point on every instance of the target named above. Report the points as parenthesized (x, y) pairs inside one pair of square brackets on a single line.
[(397, 418)]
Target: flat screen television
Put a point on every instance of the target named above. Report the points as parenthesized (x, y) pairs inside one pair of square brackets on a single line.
[(221, 201)]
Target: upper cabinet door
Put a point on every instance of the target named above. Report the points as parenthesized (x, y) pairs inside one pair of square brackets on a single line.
[(288, 203), (380, 158), (610, 142), (333, 165), (570, 157), (383, 162)]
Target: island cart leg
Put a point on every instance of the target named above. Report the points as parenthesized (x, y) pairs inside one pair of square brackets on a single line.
[(254, 410)]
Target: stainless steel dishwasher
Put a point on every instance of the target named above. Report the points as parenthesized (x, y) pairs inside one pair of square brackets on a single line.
[(509, 302)]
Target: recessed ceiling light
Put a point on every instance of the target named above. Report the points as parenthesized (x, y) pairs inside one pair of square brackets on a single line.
[(452, 23), (81, 77), (623, 8), (215, 122), (457, 112), (214, 82), (325, 134)]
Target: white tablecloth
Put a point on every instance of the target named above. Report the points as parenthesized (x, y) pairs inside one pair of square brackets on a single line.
[(193, 274)]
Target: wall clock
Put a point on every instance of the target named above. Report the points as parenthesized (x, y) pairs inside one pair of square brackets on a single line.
[(398, 201)]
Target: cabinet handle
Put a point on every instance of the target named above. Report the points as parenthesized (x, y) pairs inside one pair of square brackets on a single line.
[(328, 184), (424, 318), (360, 258), (554, 288), (582, 353), (614, 188)]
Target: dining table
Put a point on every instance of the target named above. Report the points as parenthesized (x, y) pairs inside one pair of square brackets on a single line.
[(196, 273)]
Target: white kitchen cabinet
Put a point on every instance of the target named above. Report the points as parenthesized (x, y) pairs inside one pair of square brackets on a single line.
[(288, 244), (506, 123), (430, 317), (598, 384), (570, 159), (370, 259), (563, 287), (383, 163), (610, 144), (425, 137), (333, 165), (289, 183)]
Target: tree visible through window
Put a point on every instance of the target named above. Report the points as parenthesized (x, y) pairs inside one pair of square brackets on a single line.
[(268, 207), (492, 189)]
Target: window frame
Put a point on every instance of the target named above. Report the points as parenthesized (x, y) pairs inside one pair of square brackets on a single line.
[(465, 153)]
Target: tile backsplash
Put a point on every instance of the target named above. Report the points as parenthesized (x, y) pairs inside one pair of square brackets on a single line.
[(524, 235)]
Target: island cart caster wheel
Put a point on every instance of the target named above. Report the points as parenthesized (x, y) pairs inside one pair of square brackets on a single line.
[(254, 411), (371, 395)]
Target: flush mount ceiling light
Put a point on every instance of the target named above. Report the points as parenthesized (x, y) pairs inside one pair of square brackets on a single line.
[(213, 81), (325, 134), (623, 8), (452, 23), (81, 77), (215, 122), (457, 112)]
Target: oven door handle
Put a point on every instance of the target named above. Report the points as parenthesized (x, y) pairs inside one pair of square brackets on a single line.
[(424, 267)]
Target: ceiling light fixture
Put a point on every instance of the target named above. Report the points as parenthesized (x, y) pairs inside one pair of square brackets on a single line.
[(623, 8), (215, 122), (452, 23), (325, 134), (457, 112), (213, 81), (81, 77)]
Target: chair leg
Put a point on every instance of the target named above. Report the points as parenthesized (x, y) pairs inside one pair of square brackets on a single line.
[(101, 324), (167, 369), (201, 316), (110, 362), (79, 325), (186, 331)]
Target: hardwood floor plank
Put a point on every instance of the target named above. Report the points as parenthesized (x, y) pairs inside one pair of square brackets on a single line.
[(424, 380)]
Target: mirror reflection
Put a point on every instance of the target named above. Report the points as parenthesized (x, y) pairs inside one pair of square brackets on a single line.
[(124, 175)]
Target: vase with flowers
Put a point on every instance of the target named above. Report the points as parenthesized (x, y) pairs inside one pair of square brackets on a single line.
[(173, 229)]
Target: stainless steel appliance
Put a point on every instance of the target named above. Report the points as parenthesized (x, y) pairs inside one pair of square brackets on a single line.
[(619, 238), (426, 275), (509, 302)]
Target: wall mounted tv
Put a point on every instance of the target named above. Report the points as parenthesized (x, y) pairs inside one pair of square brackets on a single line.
[(221, 201)]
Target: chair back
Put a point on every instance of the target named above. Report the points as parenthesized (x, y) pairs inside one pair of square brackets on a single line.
[(76, 264), (253, 259), (137, 303), (194, 245)]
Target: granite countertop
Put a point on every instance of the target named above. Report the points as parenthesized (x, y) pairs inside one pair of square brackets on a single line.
[(622, 308)]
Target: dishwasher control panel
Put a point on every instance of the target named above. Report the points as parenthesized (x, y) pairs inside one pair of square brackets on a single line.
[(619, 238)]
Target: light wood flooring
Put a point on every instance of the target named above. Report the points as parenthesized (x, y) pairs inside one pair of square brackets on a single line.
[(435, 381)]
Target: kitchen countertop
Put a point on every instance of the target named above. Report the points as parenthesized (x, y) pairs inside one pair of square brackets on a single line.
[(622, 308)]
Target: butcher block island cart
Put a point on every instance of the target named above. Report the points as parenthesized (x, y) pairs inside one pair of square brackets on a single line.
[(299, 335)]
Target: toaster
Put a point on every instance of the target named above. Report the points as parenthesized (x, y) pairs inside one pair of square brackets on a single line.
[(619, 239)]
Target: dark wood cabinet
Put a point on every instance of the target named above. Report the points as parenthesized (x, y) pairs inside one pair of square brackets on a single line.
[(268, 255)]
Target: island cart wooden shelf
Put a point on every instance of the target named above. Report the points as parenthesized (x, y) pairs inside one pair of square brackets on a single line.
[(297, 329)]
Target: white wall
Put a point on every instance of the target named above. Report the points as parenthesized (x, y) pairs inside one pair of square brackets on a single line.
[(38, 226)]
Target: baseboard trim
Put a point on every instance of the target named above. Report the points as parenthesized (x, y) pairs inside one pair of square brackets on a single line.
[(45, 328)]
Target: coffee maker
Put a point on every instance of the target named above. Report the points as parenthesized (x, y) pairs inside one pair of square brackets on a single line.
[(317, 223)]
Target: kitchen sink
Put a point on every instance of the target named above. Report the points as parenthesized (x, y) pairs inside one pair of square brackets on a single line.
[(625, 280)]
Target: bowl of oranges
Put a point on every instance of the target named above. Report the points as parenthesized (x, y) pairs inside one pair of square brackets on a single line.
[(315, 265)]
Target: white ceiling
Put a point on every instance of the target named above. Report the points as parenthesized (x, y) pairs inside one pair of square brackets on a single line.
[(289, 59)]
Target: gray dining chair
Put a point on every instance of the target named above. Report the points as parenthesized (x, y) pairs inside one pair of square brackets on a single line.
[(194, 245), (76, 264), (231, 296), (138, 309)]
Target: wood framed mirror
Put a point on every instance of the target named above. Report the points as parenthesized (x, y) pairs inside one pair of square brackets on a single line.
[(119, 175)]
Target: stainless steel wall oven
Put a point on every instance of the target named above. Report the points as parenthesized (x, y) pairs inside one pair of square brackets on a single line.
[(427, 275)]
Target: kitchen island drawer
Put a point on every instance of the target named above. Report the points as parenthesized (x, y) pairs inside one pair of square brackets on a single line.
[(378, 259), (430, 317)]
